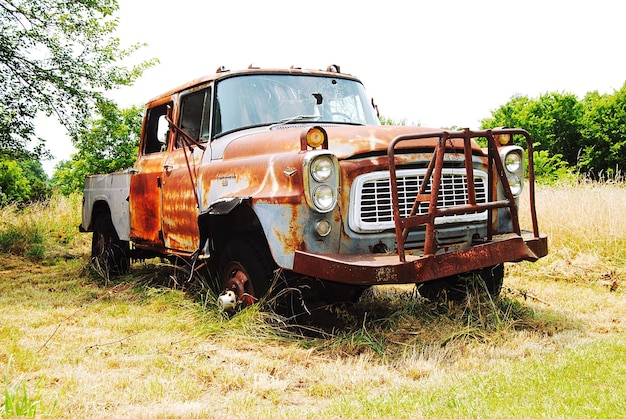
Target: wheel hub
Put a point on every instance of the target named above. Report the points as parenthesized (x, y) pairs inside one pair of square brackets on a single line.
[(238, 290)]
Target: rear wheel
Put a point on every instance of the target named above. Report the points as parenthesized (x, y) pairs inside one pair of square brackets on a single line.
[(457, 287), (109, 254)]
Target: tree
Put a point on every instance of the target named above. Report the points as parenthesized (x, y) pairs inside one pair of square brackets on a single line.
[(14, 186), (553, 120), (107, 144), (22, 180), (604, 133), (385, 120), (57, 57)]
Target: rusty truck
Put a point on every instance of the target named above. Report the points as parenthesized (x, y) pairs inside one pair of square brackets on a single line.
[(252, 172)]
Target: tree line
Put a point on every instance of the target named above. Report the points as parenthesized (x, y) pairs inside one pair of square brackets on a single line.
[(587, 136), (573, 137)]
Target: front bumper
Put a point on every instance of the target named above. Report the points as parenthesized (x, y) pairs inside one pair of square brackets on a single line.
[(377, 269)]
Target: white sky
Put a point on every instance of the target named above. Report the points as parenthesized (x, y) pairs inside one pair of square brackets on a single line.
[(437, 63)]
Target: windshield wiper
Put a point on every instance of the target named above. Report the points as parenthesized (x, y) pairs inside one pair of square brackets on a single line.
[(297, 118)]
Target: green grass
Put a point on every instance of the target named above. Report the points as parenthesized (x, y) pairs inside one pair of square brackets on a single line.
[(18, 403), (128, 348), (584, 381)]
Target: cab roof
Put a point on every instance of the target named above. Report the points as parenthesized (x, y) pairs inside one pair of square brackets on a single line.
[(222, 72)]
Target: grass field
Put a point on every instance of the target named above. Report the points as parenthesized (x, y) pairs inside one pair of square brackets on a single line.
[(554, 345)]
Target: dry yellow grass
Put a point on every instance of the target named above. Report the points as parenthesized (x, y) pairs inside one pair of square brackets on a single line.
[(586, 225), (128, 350)]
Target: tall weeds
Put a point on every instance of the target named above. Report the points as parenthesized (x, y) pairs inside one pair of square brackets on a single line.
[(586, 230), (587, 240), (140, 346), (41, 230)]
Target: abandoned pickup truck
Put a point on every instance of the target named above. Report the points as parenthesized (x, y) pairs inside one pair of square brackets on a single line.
[(244, 172)]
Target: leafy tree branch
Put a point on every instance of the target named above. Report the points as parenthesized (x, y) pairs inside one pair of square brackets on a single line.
[(57, 57)]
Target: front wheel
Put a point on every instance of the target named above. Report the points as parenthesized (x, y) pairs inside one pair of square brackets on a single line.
[(457, 287), (246, 269)]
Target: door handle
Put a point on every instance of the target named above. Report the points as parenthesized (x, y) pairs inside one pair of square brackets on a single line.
[(168, 167)]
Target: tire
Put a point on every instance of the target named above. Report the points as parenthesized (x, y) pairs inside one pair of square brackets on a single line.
[(449, 288), (246, 267), (334, 293), (455, 288), (109, 255), (493, 278)]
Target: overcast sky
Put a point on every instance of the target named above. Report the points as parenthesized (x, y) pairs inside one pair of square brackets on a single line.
[(437, 63)]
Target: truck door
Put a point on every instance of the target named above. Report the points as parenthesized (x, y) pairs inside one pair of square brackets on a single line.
[(181, 171), (145, 184)]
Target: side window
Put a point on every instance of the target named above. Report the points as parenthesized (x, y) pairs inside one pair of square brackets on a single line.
[(194, 114), (157, 130)]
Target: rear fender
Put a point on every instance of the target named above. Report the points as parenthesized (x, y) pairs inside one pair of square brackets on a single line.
[(108, 193), (101, 207)]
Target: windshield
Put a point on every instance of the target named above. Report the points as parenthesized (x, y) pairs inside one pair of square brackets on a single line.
[(255, 100)]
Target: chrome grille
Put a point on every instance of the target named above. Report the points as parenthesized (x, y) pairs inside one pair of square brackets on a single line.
[(371, 203)]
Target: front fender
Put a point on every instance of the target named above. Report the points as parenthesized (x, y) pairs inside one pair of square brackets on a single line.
[(225, 206)]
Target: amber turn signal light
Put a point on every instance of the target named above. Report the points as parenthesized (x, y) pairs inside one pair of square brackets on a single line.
[(503, 139), (315, 137)]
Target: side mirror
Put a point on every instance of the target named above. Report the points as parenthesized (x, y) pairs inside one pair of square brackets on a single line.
[(375, 106), (163, 129)]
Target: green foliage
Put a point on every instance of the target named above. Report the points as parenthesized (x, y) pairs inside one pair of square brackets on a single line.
[(604, 133), (56, 58), (22, 180), (551, 169), (107, 145), (589, 135), (13, 184), (553, 119)]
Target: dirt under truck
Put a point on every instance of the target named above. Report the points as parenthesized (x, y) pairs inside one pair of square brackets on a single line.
[(244, 172)]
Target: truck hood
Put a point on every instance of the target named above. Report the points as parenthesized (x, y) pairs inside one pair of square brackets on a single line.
[(344, 141)]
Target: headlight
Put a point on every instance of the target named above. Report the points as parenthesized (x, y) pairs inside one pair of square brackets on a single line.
[(321, 183), (513, 162), (322, 168), (323, 197), (515, 184)]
